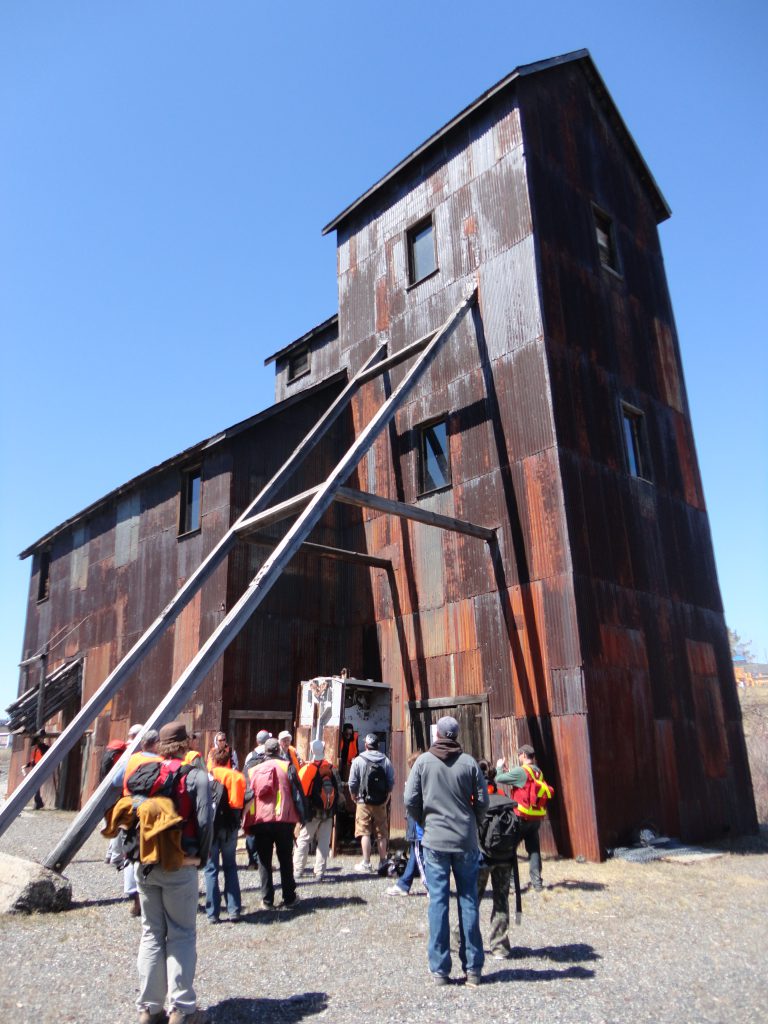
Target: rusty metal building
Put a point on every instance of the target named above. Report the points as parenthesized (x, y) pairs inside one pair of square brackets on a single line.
[(555, 415)]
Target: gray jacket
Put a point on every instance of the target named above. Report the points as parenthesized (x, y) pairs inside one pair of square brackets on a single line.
[(449, 800), (358, 767)]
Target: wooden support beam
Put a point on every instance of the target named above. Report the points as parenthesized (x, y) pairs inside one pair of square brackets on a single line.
[(364, 499), (186, 685), (337, 554), (399, 357), (289, 507), (45, 768)]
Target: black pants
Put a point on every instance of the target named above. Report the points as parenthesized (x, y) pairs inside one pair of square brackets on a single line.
[(529, 833), (275, 835)]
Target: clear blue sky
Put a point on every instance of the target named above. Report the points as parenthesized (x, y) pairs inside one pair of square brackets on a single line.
[(167, 168)]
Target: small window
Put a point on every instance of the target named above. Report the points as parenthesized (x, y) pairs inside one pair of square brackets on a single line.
[(190, 502), (422, 260), (606, 240), (434, 457), (298, 364), (635, 445), (44, 576)]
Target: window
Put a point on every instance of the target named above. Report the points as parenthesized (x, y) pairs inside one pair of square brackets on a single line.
[(606, 240), (635, 446), (434, 457), (189, 520), (298, 364), (422, 260), (44, 576)]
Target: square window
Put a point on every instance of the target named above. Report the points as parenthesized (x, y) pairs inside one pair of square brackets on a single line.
[(189, 520), (422, 260), (434, 457), (635, 445), (44, 576), (606, 240), (298, 364)]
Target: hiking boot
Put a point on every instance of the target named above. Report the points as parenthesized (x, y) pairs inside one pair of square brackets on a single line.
[(145, 1017), (440, 979), (501, 954), (364, 868), (396, 890), (177, 1016), (474, 978), (290, 904)]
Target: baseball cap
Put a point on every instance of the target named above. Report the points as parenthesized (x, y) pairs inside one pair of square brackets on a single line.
[(447, 727)]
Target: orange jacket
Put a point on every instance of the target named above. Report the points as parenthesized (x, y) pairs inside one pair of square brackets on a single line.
[(134, 761), (234, 783), (347, 756)]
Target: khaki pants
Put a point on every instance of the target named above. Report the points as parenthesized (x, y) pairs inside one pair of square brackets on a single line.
[(321, 829), (167, 951)]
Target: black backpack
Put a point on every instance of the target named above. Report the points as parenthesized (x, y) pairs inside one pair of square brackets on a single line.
[(374, 788), (499, 832), (225, 816)]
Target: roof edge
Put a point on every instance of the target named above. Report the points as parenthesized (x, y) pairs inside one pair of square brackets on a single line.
[(177, 460), (311, 333), (523, 70)]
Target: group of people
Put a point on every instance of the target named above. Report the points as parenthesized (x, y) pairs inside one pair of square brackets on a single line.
[(179, 812)]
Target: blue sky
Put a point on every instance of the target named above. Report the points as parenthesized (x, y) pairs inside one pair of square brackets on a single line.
[(167, 169)]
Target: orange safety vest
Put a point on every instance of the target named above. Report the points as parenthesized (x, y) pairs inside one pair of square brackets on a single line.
[(532, 798), (134, 762), (191, 755), (294, 759), (352, 750), (234, 783)]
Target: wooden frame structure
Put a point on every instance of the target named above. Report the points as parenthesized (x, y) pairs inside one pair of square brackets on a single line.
[(311, 505)]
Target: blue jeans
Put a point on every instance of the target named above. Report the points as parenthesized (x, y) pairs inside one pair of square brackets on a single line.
[(224, 847), (412, 868), (438, 867)]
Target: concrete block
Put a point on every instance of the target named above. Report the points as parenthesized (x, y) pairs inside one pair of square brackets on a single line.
[(27, 887)]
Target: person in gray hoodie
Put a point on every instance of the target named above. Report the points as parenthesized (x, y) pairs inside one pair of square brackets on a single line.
[(447, 795), (371, 781)]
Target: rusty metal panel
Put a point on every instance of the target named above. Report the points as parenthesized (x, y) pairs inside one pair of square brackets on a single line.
[(569, 765)]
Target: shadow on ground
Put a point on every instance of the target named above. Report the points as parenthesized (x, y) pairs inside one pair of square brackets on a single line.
[(254, 1011)]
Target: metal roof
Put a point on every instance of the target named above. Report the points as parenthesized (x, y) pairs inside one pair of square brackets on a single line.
[(582, 56), (332, 321)]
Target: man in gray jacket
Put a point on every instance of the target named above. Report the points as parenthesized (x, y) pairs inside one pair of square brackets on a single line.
[(371, 780), (447, 795)]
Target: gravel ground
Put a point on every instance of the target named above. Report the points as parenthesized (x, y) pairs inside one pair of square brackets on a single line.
[(603, 943)]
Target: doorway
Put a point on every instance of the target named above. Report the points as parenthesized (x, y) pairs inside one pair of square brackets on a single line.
[(470, 712)]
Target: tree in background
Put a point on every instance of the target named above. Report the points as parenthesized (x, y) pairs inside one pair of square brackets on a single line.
[(741, 650)]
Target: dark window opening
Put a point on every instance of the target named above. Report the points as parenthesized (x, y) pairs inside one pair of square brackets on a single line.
[(635, 446), (435, 459), (606, 240), (298, 364), (422, 259), (44, 576), (190, 502)]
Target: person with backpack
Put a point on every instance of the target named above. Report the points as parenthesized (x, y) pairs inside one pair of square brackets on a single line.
[(176, 798), (322, 789), (228, 787), (448, 796), (499, 836), (532, 794), (371, 780), (276, 808)]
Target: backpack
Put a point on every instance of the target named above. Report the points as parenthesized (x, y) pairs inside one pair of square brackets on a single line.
[(499, 832), (166, 778), (536, 792), (318, 786), (225, 816), (373, 785), (109, 759)]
